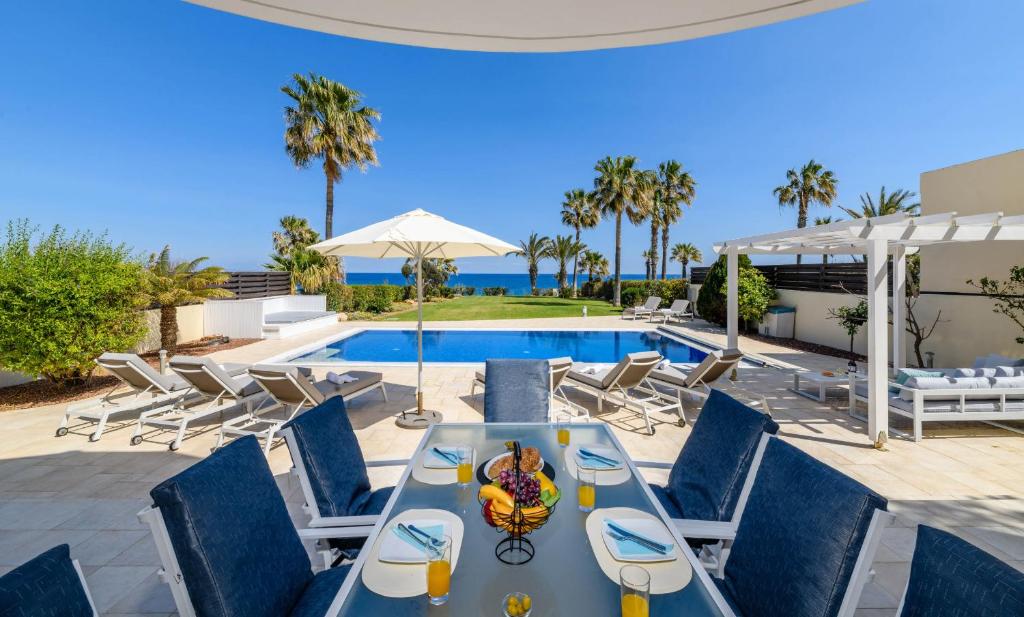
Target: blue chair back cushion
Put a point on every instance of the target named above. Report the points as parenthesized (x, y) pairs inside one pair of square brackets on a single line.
[(333, 460), (707, 478), (236, 546), (517, 391), (799, 537), (46, 586), (953, 578)]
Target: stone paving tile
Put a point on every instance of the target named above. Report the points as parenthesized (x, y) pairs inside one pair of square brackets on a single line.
[(110, 584)]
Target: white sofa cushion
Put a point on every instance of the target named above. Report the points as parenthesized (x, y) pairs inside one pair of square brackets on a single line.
[(1016, 383), (944, 383), (976, 372)]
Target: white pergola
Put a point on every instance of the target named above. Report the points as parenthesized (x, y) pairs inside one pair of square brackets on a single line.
[(896, 235)]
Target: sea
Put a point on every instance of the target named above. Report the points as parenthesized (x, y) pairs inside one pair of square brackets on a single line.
[(517, 284)]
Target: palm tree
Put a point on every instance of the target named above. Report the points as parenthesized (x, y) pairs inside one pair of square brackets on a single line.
[(618, 190), (894, 203), (651, 259), (295, 234), (684, 253), (824, 220), (534, 250), (307, 268), (328, 122), (563, 249), (594, 264), (812, 184), (677, 187), (651, 209), (579, 212), (169, 285)]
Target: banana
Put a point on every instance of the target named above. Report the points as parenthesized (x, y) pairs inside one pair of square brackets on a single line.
[(489, 491)]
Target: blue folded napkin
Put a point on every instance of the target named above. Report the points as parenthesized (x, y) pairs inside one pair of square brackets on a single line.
[(592, 462), (449, 451), (437, 531), (629, 548)]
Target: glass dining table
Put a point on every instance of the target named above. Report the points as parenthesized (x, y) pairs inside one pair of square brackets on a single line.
[(564, 577)]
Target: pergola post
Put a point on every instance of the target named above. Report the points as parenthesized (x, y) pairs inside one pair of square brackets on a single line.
[(732, 323), (899, 308), (878, 335)]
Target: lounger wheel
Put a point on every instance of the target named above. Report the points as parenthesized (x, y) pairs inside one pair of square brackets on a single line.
[(174, 446), (136, 440), (94, 437), (62, 431)]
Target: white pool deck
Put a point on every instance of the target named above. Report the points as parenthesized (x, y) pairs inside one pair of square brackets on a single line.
[(964, 477)]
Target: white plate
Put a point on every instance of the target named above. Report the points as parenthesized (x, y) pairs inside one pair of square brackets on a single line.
[(491, 462), (587, 463), (395, 549), (431, 460), (630, 551), (405, 580), (666, 576)]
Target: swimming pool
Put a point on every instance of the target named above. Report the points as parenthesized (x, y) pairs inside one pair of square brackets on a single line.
[(470, 346)]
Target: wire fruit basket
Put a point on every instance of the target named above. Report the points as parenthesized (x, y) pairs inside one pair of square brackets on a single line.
[(515, 520)]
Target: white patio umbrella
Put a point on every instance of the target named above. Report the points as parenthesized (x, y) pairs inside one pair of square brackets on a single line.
[(418, 235)]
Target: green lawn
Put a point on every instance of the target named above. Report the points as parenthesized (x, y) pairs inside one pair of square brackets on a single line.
[(506, 307)]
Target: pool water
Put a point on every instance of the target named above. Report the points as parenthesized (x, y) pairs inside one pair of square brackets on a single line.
[(480, 345)]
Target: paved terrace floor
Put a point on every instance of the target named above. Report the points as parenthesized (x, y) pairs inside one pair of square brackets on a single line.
[(969, 478)]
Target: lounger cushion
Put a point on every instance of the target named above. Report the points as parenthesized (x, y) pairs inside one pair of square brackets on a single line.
[(670, 375), (46, 585), (517, 391), (320, 592), (950, 577), (799, 537), (594, 380), (707, 477), (364, 379), (333, 460), (235, 543), (169, 383)]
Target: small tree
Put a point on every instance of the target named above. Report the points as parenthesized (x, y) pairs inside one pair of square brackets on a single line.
[(851, 318), (169, 285), (754, 292), (1008, 296), (66, 301), (436, 272)]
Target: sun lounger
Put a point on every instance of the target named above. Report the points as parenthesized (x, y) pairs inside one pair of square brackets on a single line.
[(678, 310), (292, 390), (146, 389), (559, 367), (642, 311), (217, 388), (626, 383), (697, 381)]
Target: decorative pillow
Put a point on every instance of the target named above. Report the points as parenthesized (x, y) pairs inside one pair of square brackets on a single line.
[(1008, 371), (976, 372), (943, 383), (906, 373)]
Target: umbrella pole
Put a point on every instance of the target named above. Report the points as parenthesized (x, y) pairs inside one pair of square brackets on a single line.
[(419, 333)]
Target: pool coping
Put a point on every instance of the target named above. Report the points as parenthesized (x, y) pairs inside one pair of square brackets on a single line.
[(285, 358)]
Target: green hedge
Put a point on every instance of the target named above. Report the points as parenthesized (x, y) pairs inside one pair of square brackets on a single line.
[(495, 291), (637, 292)]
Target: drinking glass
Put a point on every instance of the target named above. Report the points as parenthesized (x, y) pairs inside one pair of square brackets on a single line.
[(464, 472), (635, 591), (563, 422), (439, 570), (586, 492)]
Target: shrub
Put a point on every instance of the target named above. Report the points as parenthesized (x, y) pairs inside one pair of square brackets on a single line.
[(375, 298), (631, 296), (65, 302), (464, 290), (339, 297), (754, 292), (595, 289), (495, 291), (668, 290), (565, 292)]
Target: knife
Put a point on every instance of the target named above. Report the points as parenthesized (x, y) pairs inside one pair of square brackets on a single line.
[(651, 544), (597, 457)]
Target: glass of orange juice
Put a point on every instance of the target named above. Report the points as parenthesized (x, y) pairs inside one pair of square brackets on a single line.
[(586, 493), (563, 420), (464, 472), (439, 570), (635, 591)]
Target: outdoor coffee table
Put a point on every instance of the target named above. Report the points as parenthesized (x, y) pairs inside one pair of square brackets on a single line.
[(563, 578), (823, 383)]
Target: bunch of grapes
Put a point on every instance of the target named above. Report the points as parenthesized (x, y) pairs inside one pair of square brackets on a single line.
[(526, 490)]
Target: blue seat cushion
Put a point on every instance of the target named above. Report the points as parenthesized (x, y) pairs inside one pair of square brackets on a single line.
[(799, 537), (45, 586), (707, 477), (320, 592), (373, 503), (666, 500), (236, 546), (517, 391), (950, 577), (333, 460)]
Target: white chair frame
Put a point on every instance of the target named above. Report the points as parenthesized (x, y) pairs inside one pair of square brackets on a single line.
[(668, 314), (347, 526), (642, 310), (245, 425), (179, 415), (619, 394)]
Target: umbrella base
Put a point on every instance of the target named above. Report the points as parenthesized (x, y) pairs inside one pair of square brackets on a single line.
[(414, 420)]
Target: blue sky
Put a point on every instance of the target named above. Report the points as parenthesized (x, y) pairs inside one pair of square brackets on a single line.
[(161, 121)]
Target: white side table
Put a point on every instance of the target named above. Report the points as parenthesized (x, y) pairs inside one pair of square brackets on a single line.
[(823, 383)]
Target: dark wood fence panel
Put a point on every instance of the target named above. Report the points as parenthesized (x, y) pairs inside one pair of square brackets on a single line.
[(833, 277), (258, 284)]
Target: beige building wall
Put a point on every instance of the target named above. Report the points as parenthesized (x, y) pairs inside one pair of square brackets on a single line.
[(190, 327), (994, 184)]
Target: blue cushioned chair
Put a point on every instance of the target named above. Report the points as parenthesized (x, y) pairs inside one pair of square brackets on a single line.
[(49, 585), (953, 578), (805, 542), (517, 391), (332, 474), (227, 544)]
